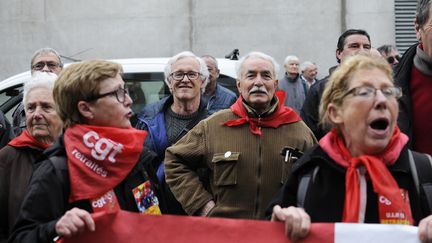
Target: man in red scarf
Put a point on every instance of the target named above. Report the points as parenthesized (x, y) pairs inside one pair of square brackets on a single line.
[(241, 147)]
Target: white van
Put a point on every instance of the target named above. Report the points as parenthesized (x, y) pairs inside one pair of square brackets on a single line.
[(144, 77)]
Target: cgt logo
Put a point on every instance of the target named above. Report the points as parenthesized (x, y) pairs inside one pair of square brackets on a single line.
[(101, 148)]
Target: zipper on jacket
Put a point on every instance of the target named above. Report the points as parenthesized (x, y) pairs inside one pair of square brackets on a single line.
[(259, 179)]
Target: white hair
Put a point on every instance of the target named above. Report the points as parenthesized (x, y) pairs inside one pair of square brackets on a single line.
[(38, 80), (291, 58), (306, 64), (203, 67), (261, 55)]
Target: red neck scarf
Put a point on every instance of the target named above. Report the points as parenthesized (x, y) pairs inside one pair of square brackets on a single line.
[(282, 115), (27, 140), (99, 158), (376, 166)]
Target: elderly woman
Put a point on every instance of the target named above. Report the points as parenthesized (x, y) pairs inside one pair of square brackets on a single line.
[(19, 158), (97, 165), (360, 172)]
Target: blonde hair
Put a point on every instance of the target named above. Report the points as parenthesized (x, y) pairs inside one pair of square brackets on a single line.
[(80, 82), (338, 83)]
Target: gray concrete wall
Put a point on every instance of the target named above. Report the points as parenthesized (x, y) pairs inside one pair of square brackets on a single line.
[(87, 29)]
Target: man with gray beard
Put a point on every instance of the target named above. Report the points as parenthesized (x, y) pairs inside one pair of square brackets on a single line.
[(241, 148)]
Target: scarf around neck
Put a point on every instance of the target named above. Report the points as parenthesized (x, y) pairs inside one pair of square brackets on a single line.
[(27, 140), (282, 115), (99, 158), (376, 166)]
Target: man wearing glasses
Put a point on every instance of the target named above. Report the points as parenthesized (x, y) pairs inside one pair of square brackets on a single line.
[(44, 60), (169, 119), (390, 53)]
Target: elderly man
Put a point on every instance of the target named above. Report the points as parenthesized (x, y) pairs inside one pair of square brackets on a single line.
[(351, 42), (414, 76), (241, 147), (292, 84), (217, 96), (44, 60), (309, 73), (390, 53), (169, 119)]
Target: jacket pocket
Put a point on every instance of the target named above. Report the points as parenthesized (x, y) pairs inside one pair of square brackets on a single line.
[(225, 168)]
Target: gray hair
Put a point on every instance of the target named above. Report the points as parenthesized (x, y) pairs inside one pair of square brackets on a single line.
[(46, 50), (203, 67), (422, 13), (39, 80), (291, 58), (306, 64), (256, 54), (211, 57)]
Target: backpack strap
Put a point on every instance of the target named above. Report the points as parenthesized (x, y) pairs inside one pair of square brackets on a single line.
[(421, 170), (304, 185)]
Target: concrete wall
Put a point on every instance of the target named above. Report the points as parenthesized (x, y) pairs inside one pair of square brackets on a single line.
[(87, 29)]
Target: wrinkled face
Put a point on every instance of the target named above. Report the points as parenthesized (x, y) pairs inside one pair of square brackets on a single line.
[(310, 72), (425, 35), (108, 110), (186, 89), (292, 67), (42, 120), (212, 68), (48, 62), (257, 83), (353, 45), (367, 123)]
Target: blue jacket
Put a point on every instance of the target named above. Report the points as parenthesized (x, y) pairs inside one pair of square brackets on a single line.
[(152, 119), (223, 98)]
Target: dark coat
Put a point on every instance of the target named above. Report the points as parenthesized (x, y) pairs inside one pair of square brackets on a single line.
[(402, 76), (325, 196), (16, 168), (49, 189)]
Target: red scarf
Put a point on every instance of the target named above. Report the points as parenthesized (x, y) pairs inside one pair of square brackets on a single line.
[(383, 182), (282, 115), (27, 140), (99, 158)]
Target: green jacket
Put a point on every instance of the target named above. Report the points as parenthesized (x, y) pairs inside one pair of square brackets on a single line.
[(245, 170)]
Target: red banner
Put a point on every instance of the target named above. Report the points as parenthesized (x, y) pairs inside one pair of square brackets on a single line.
[(133, 227)]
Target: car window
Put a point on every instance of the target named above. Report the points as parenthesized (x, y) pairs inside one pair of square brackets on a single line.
[(9, 100), (145, 88)]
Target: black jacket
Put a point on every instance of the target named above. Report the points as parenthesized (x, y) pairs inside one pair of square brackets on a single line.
[(49, 189), (325, 196), (402, 76), (310, 110)]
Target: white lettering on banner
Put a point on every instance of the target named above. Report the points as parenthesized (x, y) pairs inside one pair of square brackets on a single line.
[(395, 215), (90, 164), (102, 147), (384, 200), (99, 203)]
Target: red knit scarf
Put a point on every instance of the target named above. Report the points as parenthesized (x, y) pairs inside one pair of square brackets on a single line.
[(282, 115), (99, 158), (383, 182), (27, 140)]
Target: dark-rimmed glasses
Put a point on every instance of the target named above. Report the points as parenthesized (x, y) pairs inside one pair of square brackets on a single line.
[(120, 94), (178, 76), (40, 65), (370, 92), (392, 59)]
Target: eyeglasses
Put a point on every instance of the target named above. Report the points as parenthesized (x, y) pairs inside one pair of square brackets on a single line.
[(392, 59), (40, 65), (178, 76), (370, 92), (120, 94)]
